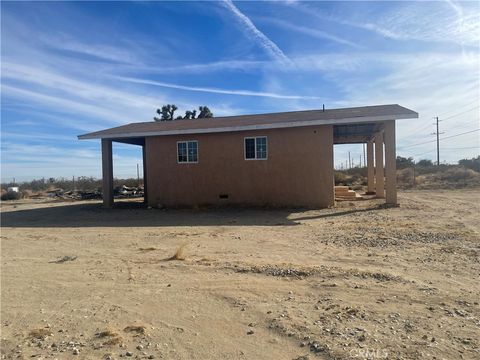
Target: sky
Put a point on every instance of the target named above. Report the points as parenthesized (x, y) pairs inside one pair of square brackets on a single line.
[(69, 68)]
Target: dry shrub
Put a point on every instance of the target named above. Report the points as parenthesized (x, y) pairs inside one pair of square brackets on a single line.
[(39, 333), (340, 178), (151, 248), (405, 176), (457, 174), (420, 180), (179, 254), (106, 333), (11, 195), (139, 329), (111, 337)]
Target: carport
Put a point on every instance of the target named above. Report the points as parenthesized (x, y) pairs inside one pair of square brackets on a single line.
[(379, 138)]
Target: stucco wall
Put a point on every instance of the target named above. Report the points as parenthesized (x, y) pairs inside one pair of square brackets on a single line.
[(298, 171)]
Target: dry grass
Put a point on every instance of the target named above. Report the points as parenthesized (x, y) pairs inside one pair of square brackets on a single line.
[(179, 254), (39, 333), (111, 337), (139, 329), (151, 248)]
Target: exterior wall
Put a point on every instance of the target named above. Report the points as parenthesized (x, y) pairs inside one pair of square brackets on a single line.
[(298, 171)]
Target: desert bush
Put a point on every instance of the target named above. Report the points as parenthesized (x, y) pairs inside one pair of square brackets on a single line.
[(473, 163), (11, 195), (83, 183), (425, 163), (340, 178), (405, 176), (457, 174), (403, 162)]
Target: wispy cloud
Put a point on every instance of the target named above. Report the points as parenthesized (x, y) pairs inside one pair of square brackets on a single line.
[(24, 161), (411, 21), (101, 52), (215, 90), (256, 34), (319, 34)]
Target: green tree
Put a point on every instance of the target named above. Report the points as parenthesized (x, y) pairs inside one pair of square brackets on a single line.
[(425, 163), (403, 162), (167, 113), (190, 114), (204, 112)]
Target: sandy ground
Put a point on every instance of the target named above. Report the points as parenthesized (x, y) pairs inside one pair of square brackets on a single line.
[(357, 281)]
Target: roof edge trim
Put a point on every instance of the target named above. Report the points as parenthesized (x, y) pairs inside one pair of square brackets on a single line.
[(253, 127)]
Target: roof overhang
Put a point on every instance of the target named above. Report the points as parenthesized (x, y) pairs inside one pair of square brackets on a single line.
[(280, 125)]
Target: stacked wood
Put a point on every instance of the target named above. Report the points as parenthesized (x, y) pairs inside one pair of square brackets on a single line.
[(344, 193)]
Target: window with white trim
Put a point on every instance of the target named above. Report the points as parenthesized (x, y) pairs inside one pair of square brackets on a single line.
[(256, 148), (187, 151)]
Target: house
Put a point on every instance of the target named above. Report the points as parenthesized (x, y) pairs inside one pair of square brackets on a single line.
[(276, 159)]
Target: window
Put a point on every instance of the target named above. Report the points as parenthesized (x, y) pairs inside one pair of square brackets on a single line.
[(187, 151), (256, 148)]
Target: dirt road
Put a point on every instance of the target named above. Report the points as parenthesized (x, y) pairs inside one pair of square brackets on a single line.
[(358, 281)]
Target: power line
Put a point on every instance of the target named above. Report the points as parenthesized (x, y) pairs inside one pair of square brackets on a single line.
[(462, 148), (426, 152), (450, 117), (467, 132), (425, 125), (449, 112), (443, 138)]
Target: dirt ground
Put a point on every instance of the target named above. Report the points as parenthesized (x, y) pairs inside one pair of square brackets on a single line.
[(355, 282)]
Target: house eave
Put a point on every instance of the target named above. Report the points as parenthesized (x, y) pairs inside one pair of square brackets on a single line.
[(252, 127)]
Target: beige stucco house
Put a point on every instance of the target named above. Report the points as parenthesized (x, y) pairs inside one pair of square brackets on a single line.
[(276, 159)]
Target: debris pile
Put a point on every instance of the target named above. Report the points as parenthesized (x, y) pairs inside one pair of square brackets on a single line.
[(119, 192), (128, 191), (73, 194)]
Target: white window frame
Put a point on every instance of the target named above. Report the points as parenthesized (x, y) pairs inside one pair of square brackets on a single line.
[(187, 162), (255, 138)]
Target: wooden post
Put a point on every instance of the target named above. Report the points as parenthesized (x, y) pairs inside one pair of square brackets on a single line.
[(370, 169), (390, 163), (379, 177), (107, 173)]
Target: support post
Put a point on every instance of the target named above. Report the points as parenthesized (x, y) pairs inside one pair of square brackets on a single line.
[(379, 176), (370, 169), (390, 163), (145, 177), (107, 173)]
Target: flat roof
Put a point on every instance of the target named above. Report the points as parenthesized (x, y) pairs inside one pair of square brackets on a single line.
[(278, 120)]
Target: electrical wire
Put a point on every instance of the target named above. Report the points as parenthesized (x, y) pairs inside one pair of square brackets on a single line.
[(464, 106), (450, 117), (443, 138)]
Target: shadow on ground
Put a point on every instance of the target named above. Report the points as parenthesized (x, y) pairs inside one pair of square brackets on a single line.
[(130, 214)]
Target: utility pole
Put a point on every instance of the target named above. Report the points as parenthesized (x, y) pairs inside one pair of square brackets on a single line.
[(349, 161), (360, 163), (438, 140), (138, 176), (414, 181)]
